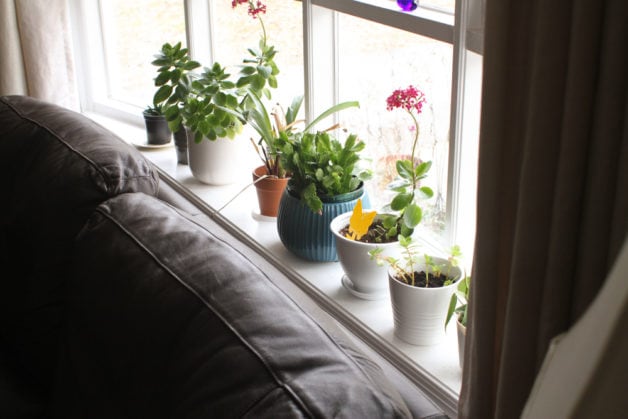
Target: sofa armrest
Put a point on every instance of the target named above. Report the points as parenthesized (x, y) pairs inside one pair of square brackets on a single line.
[(166, 320)]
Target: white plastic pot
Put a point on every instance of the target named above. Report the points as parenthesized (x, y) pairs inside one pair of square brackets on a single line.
[(419, 313)]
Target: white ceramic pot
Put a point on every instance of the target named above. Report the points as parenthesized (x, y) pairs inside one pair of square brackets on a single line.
[(215, 162), (462, 333), (363, 278), (419, 313)]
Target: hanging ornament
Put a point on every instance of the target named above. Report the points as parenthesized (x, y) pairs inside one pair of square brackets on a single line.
[(407, 5)]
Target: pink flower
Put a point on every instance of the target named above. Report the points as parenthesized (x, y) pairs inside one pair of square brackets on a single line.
[(409, 99), (255, 7)]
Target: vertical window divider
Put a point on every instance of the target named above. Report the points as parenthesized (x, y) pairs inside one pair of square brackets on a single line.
[(199, 33), (455, 126), (457, 111), (307, 58), (320, 59)]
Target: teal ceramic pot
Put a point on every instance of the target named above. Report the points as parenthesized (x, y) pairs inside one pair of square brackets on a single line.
[(307, 234)]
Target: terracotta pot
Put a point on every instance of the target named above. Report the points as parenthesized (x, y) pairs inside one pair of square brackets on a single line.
[(269, 191)]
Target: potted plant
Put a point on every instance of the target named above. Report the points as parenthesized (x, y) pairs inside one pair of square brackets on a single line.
[(210, 113), (421, 287), (458, 306), (157, 131), (363, 277), (270, 178), (209, 104), (173, 82), (356, 234), (324, 182)]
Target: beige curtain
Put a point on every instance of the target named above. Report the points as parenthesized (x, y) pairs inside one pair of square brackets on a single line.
[(36, 51), (552, 186)]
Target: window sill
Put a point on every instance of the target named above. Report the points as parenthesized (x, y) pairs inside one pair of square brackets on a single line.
[(434, 369)]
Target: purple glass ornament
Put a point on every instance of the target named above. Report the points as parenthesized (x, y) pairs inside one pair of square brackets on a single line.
[(407, 5)]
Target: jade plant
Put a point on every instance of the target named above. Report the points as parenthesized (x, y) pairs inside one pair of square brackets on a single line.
[(210, 103), (173, 82), (210, 108)]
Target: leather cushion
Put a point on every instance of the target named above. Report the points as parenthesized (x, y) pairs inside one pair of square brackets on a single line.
[(166, 320), (56, 166)]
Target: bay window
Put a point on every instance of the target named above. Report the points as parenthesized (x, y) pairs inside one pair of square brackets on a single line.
[(331, 51)]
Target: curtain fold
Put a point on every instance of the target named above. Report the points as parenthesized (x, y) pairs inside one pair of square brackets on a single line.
[(36, 51), (552, 186)]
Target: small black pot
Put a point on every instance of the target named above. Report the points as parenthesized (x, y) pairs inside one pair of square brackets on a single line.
[(181, 144), (157, 131)]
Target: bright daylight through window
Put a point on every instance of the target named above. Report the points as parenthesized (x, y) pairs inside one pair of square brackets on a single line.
[(358, 50), (331, 51)]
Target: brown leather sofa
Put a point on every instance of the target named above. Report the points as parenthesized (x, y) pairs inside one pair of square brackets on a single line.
[(116, 302)]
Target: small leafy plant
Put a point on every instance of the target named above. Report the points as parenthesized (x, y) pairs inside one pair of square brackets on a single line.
[(459, 302), (406, 268)]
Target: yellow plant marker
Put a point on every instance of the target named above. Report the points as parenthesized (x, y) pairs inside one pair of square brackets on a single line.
[(360, 222)]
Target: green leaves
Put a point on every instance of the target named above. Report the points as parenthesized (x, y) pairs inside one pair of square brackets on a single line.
[(320, 164), (412, 215), (162, 94), (408, 191), (459, 301), (400, 201), (405, 169), (336, 108), (173, 81)]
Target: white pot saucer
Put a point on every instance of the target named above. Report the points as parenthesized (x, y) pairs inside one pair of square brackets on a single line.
[(257, 215), (348, 285), (143, 145)]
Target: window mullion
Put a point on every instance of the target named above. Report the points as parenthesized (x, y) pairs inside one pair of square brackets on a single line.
[(464, 128), (199, 33), (320, 56)]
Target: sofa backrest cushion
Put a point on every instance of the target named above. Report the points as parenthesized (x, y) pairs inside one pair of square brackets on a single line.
[(56, 166), (166, 320)]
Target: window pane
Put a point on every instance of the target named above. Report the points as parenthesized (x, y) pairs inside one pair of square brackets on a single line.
[(134, 31), (371, 68), (235, 31), (448, 6)]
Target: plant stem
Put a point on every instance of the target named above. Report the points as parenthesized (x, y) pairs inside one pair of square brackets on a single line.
[(261, 22), (414, 144)]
